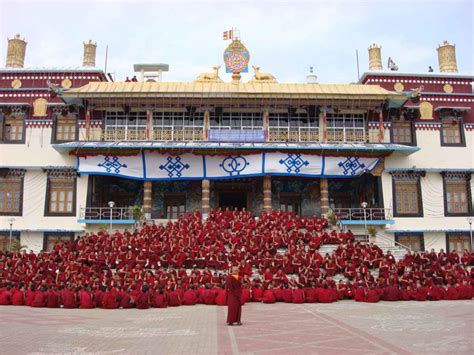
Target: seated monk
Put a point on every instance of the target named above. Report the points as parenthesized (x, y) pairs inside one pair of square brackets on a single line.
[(161, 299), (190, 297), (360, 294), (143, 300), (86, 298), (54, 298), (245, 295), (6, 297), (69, 297), (257, 293), (269, 296), (391, 293), (110, 300), (452, 293), (41, 297), (287, 294), (298, 295), (30, 295), (174, 298), (18, 296), (210, 295), (372, 296)]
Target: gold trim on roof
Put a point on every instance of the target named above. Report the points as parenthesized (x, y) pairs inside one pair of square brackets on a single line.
[(232, 89)]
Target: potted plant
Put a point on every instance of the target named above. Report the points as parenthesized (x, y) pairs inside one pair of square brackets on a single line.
[(332, 219), (372, 231), (137, 213), (16, 246)]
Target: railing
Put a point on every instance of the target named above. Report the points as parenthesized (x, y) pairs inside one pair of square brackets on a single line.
[(124, 133), (357, 214), (297, 134), (172, 133), (239, 128), (393, 242), (347, 134), (104, 213)]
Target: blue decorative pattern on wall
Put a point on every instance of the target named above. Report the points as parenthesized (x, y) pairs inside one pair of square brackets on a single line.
[(294, 163), (112, 163), (174, 166), (234, 164), (351, 165)]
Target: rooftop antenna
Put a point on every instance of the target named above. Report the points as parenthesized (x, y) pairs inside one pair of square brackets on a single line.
[(357, 59)]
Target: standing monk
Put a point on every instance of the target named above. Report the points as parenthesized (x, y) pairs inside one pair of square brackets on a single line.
[(234, 297)]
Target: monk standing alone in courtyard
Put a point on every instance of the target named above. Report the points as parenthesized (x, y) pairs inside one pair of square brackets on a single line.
[(234, 297)]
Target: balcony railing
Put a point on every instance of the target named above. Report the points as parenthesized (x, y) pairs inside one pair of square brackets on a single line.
[(124, 133), (105, 213), (357, 214), (347, 134), (173, 133), (297, 134)]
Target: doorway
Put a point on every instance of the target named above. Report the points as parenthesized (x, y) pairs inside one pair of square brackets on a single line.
[(232, 200)]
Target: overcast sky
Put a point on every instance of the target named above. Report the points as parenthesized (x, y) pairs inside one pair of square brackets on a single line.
[(284, 37)]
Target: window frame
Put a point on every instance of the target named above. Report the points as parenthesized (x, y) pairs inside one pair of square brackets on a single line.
[(47, 211), (174, 197), (396, 213), (3, 121), (6, 234), (22, 189), (457, 234), (462, 137), (46, 235), (413, 142), (420, 235), (54, 132), (468, 197)]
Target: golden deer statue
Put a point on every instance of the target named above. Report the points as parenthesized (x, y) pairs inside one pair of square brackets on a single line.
[(262, 76)]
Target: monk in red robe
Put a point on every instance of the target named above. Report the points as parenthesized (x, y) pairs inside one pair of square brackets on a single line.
[(234, 298)]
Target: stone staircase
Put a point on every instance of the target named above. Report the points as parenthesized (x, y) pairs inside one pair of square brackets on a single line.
[(387, 244)]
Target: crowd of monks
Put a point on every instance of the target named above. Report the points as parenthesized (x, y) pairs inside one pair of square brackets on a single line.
[(186, 262)]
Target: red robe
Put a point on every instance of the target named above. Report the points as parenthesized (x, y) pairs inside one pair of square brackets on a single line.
[(18, 298), (69, 299), (174, 299), (298, 296), (143, 300), (5, 298), (190, 297), (234, 299), (86, 299), (269, 296), (257, 294), (30, 296), (110, 300), (221, 299), (161, 300), (41, 299), (53, 299)]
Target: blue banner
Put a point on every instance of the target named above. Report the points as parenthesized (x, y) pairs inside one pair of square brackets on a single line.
[(219, 135)]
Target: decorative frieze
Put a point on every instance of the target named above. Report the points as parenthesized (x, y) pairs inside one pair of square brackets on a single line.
[(60, 173), (408, 174), (456, 175), (428, 126)]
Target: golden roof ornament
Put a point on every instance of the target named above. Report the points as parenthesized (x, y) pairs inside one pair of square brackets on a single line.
[(236, 57), (210, 77), (262, 77)]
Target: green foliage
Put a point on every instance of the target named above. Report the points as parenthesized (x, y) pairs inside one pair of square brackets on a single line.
[(332, 218), (103, 227), (16, 245), (372, 231), (137, 213)]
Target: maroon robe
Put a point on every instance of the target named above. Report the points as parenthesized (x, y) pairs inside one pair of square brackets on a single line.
[(234, 299)]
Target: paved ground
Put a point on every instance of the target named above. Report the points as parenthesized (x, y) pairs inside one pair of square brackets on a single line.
[(339, 328)]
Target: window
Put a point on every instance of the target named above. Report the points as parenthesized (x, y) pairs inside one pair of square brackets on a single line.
[(11, 196), (290, 203), (13, 128), (402, 132), (407, 196), (451, 132), (458, 242), (65, 129), (457, 197), (61, 196), (175, 206), (5, 239), (414, 241), (51, 239)]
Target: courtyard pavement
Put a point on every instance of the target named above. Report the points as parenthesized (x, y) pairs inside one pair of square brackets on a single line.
[(344, 327)]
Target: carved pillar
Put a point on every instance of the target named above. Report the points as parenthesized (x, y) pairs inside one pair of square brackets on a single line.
[(381, 128), (206, 125), (147, 193), (266, 124), (149, 125), (206, 195), (267, 193), (324, 127), (324, 196), (88, 125)]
